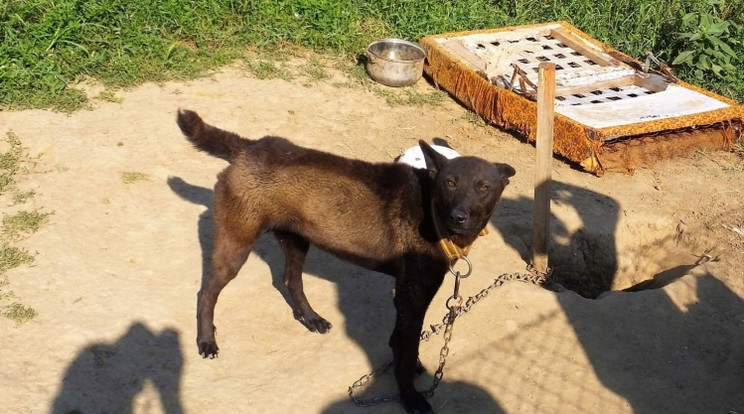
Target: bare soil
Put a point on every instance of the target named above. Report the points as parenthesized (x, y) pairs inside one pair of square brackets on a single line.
[(119, 265)]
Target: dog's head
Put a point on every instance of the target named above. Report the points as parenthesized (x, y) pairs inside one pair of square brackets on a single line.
[(465, 192)]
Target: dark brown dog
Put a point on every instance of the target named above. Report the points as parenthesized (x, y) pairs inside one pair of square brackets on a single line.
[(380, 216)]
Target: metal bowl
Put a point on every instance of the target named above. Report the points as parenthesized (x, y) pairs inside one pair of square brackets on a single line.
[(395, 62)]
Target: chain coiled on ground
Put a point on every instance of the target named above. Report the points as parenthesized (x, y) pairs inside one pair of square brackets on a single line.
[(455, 308)]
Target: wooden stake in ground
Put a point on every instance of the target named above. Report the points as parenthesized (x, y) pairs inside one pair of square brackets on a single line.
[(543, 170)]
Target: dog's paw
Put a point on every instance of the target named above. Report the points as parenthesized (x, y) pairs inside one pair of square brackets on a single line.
[(315, 323), (415, 402), (208, 349)]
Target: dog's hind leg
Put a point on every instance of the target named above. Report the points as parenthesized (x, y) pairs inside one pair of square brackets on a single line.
[(227, 258), (231, 249), (295, 248)]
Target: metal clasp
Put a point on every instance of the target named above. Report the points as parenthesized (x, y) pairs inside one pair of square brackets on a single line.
[(458, 274)]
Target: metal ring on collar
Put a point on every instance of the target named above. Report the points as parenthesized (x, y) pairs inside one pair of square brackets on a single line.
[(470, 268)]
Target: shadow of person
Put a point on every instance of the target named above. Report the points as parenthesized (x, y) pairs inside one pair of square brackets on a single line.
[(665, 357), (583, 256), (106, 377)]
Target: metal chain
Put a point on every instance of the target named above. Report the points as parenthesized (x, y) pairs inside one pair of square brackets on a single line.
[(456, 308), (361, 382)]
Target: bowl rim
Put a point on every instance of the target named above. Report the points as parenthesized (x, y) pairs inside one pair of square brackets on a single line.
[(397, 41)]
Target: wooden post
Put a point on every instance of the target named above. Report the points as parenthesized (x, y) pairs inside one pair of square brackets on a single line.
[(543, 169)]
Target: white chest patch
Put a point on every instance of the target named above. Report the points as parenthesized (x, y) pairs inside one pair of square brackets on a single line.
[(415, 157)]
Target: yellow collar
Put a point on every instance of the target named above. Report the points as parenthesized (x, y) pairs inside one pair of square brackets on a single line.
[(447, 246)]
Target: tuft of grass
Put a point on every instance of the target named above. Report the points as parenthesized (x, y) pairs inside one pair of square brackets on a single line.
[(314, 70), (24, 222), (737, 166), (130, 177), (20, 197), (266, 69), (19, 312), (109, 95), (10, 162), (701, 154), (473, 118), (12, 257), (410, 96)]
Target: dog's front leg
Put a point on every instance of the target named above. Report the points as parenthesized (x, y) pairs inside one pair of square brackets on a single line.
[(413, 295), (405, 344)]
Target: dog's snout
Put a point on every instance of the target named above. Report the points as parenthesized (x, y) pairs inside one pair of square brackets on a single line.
[(458, 216)]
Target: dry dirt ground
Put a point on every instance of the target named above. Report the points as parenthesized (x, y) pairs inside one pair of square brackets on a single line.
[(119, 265)]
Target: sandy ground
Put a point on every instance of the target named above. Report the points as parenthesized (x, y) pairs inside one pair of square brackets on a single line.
[(119, 266)]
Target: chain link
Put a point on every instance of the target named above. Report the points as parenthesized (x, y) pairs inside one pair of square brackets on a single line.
[(456, 308)]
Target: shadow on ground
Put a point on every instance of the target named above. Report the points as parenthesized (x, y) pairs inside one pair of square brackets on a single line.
[(643, 346), (106, 377)]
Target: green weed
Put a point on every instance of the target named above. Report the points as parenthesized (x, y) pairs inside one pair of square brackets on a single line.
[(12, 257), (410, 96), (705, 49), (130, 177), (473, 118), (19, 313), (21, 197), (10, 162), (266, 69), (109, 95), (15, 226), (315, 70)]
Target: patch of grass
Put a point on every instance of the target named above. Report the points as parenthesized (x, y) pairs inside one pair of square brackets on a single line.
[(109, 95), (315, 70), (473, 118), (12, 257), (701, 154), (19, 313), (130, 177), (20, 197), (10, 162), (13, 162), (737, 166), (410, 96), (22, 223), (48, 47), (739, 148), (267, 69), (5, 294)]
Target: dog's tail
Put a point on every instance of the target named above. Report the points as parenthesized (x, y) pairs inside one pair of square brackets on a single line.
[(214, 141)]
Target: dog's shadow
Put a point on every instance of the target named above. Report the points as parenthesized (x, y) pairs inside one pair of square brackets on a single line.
[(370, 333)]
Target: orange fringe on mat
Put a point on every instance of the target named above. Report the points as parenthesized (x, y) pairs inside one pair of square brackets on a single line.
[(619, 148)]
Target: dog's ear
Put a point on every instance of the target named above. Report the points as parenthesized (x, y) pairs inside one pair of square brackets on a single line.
[(435, 161), (505, 171)]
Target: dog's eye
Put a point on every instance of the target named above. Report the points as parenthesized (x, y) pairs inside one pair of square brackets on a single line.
[(484, 188), (451, 183)]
